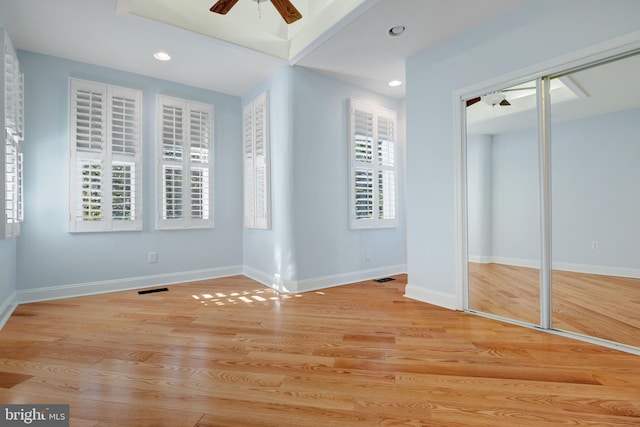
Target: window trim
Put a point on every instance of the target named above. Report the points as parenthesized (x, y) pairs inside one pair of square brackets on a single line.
[(256, 191), (374, 168), (105, 157), (186, 221), (12, 125)]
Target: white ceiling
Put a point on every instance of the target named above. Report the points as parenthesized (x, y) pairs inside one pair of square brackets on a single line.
[(254, 24), (601, 89), (345, 39)]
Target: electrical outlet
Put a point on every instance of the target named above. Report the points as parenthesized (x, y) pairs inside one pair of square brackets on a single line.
[(595, 245), (153, 257)]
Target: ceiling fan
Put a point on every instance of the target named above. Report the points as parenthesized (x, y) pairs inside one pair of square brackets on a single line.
[(496, 98), (288, 12)]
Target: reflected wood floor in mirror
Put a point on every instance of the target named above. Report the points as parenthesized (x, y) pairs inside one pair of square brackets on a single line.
[(605, 307), (230, 352)]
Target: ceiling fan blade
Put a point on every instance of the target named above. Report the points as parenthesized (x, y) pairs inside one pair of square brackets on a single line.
[(472, 101), (289, 13), (223, 6), (505, 103)]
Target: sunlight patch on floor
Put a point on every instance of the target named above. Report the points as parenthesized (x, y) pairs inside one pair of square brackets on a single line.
[(220, 298)]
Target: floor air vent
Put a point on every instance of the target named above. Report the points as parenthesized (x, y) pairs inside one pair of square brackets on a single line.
[(151, 291)]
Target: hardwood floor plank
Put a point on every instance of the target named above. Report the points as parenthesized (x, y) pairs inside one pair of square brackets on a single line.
[(284, 415), (10, 379), (472, 415), (228, 352), (601, 306)]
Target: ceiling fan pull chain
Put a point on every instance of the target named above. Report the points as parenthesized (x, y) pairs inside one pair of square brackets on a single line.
[(259, 10)]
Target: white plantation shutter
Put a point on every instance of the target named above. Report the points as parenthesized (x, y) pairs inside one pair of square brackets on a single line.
[(20, 105), (124, 132), (105, 161), (12, 117), (386, 151), (186, 164), (13, 185), (172, 200), (89, 205), (200, 139), (249, 168), (372, 139), (124, 124), (199, 196), (89, 116), (123, 195), (12, 87), (363, 165), (256, 163), (172, 132)]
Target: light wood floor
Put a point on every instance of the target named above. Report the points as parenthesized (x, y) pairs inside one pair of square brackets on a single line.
[(230, 352), (600, 306)]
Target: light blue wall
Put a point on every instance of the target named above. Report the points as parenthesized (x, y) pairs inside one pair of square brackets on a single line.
[(47, 255), (534, 33), (310, 236), (479, 196), (307, 239), (595, 176), (515, 202), (271, 251), (7, 265), (7, 270), (324, 244)]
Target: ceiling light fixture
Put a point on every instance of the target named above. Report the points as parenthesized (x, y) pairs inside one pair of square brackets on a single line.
[(397, 30), (162, 56), (394, 83)]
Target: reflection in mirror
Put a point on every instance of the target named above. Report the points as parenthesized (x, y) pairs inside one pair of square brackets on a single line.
[(502, 204), (595, 152)]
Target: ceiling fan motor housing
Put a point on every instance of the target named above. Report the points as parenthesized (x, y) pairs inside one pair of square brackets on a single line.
[(494, 98)]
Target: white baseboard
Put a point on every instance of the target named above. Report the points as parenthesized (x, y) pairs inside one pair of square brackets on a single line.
[(517, 262), (271, 280), (127, 284), (94, 288), (346, 278), (440, 299), (480, 259), (7, 308), (307, 285), (602, 270)]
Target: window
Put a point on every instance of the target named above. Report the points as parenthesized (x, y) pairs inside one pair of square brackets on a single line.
[(12, 184), (11, 204), (105, 158), (185, 158), (256, 163), (372, 139)]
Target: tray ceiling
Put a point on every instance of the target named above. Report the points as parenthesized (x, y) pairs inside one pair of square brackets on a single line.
[(252, 24)]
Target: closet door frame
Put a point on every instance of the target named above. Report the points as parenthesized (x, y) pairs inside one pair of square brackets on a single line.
[(541, 73)]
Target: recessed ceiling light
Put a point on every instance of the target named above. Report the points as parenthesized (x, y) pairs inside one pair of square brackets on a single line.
[(394, 83), (162, 56), (397, 30)]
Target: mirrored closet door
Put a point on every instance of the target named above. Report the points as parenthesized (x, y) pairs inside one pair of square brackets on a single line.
[(502, 204), (552, 202), (595, 176)]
